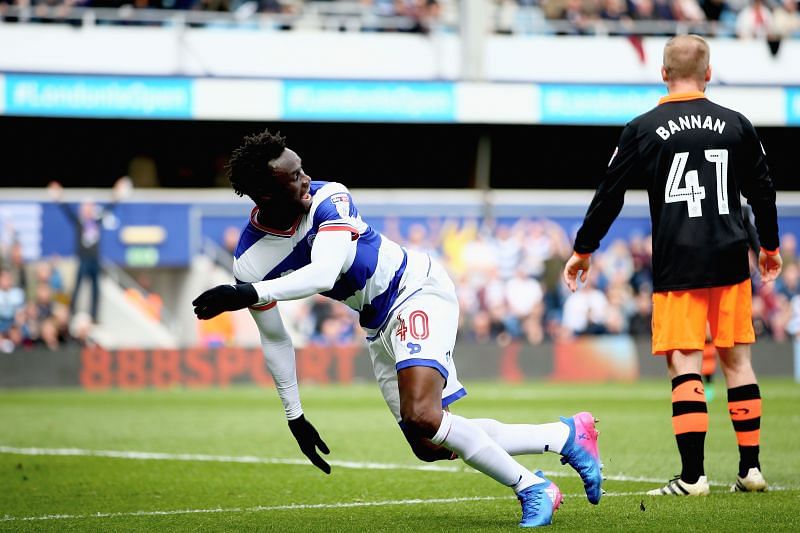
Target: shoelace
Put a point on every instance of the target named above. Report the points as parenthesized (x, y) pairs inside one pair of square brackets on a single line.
[(530, 504)]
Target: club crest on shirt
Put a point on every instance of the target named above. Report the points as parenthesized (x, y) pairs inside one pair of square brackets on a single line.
[(342, 203), (310, 238)]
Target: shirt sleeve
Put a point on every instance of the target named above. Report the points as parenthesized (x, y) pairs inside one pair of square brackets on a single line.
[(328, 257), (610, 194), (336, 213), (756, 185), (280, 357)]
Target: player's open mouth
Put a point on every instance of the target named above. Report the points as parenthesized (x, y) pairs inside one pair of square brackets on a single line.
[(307, 196)]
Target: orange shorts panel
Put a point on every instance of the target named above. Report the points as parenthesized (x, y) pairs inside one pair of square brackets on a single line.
[(680, 318)]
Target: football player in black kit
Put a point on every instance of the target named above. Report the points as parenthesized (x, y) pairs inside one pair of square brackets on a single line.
[(695, 158)]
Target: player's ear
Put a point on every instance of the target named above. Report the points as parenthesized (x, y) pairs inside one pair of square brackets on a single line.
[(708, 73), (664, 75)]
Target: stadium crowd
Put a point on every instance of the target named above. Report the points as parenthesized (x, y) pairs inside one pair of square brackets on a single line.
[(509, 281), (507, 275), (509, 284), (772, 19), (34, 305)]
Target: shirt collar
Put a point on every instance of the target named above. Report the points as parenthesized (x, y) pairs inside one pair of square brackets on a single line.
[(681, 97)]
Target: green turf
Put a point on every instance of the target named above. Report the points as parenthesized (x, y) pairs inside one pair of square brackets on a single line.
[(636, 441)]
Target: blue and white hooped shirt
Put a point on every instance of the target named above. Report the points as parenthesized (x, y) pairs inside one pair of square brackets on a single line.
[(371, 278)]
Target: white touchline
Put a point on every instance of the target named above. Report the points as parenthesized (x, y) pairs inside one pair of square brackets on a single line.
[(289, 507), (250, 459)]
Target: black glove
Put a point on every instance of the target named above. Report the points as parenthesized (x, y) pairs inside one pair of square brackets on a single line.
[(309, 440), (224, 298)]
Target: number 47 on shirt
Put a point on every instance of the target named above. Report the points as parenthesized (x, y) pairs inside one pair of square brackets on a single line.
[(693, 193)]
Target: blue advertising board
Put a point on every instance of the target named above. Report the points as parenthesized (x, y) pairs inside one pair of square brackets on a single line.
[(793, 106), (59, 234), (369, 101), (596, 104), (98, 96)]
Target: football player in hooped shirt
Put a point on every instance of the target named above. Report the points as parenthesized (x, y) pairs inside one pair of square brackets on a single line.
[(306, 237)]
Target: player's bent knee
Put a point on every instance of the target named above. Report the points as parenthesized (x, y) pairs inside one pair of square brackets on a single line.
[(430, 452), (425, 450), (422, 422)]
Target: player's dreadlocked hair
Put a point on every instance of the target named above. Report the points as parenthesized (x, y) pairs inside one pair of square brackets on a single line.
[(248, 169)]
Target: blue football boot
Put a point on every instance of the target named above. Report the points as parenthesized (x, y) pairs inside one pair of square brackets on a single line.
[(582, 454), (539, 502)]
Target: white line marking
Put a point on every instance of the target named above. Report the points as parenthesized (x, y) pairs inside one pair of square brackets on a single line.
[(288, 507), (259, 508), (250, 459)]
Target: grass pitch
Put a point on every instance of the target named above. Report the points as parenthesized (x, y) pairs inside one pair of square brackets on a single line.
[(224, 460)]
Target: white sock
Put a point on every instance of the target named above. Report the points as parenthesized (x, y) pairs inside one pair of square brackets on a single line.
[(479, 451), (524, 439)]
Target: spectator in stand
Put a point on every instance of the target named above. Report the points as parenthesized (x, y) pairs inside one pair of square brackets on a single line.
[(713, 9), (663, 9), (418, 239), (616, 11), (46, 274), (789, 283), (585, 311), (786, 20), (88, 228), (581, 19), (754, 21), (643, 10), (12, 299), (11, 259), (771, 308), (454, 239), (789, 247), (640, 322), (617, 261), (524, 299), (537, 246), (43, 301), (492, 293), (641, 249), (509, 250), (688, 11), (621, 304)]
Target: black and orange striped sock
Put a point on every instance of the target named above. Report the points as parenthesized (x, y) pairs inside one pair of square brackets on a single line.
[(744, 406), (690, 423)]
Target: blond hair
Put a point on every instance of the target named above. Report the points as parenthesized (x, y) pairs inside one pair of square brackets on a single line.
[(686, 57)]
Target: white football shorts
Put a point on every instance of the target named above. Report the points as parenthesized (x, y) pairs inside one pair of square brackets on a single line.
[(421, 331)]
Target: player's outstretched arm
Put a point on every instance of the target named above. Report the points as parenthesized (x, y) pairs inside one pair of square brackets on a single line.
[(224, 298), (280, 356), (769, 265), (328, 255), (576, 264)]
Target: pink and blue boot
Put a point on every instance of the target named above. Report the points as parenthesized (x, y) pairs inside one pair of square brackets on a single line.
[(582, 454)]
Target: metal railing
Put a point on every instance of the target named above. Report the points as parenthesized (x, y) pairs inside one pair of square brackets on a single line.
[(348, 16), (335, 16)]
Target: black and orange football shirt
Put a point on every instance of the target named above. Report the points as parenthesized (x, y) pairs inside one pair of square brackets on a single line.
[(696, 159)]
